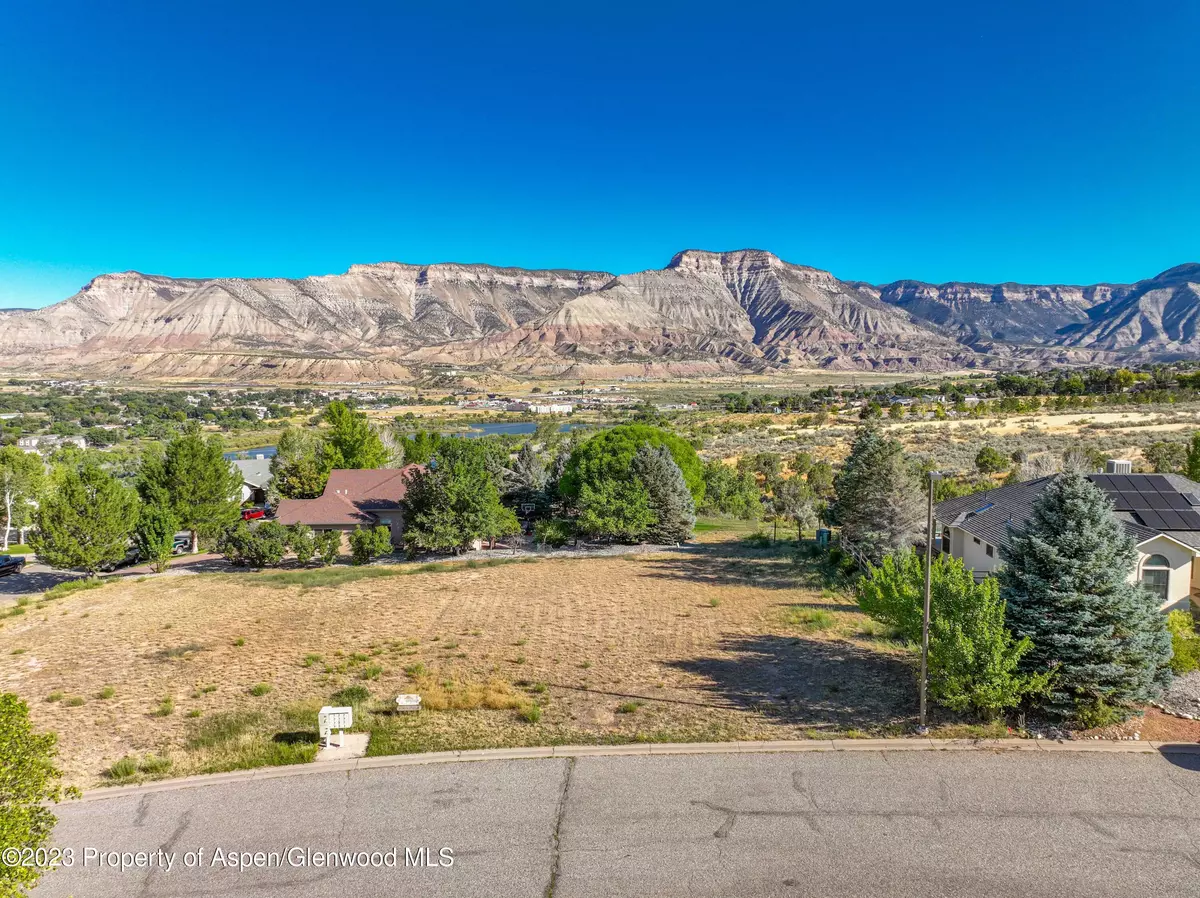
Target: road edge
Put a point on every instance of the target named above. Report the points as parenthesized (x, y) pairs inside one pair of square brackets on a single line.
[(642, 749)]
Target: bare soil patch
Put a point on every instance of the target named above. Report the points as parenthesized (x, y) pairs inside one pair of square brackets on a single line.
[(716, 640)]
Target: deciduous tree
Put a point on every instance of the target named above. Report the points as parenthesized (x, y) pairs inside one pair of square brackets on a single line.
[(87, 521)]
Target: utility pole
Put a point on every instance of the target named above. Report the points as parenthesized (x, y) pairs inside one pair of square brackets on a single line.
[(923, 727)]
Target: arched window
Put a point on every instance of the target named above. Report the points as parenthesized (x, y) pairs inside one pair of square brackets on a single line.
[(1156, 576)]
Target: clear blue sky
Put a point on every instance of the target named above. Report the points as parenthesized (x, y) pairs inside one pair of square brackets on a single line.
[(1040, 142)]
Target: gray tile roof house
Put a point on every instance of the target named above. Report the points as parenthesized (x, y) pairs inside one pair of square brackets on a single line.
[(1161, 512)]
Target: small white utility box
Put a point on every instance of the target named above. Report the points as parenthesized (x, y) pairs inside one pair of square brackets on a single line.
[(330, 719), (408, 702)]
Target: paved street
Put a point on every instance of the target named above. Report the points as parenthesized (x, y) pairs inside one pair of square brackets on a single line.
[(872, 823)]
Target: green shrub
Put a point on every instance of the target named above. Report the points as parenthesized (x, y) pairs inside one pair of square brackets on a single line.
[(329, 546), (367, 544), (555, 533), (259, 546), (74, 701), (54, 697), (371, 672), (628, 707), (106, 693), (125, 768), (303, 542), (1185, 643), (530, 713), (165, 708), (260, 689)]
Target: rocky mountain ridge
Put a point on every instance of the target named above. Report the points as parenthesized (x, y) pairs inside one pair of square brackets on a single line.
[(705, 312)]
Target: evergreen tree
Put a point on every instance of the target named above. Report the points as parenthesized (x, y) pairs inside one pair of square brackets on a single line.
[(196, 481), (22, 478), (878, 500), (526, 477), (86, 523), (668, 495), (351, 441), (1066, 583), (155, 535)]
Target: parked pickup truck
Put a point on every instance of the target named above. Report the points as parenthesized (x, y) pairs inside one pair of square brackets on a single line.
[(11, 564)]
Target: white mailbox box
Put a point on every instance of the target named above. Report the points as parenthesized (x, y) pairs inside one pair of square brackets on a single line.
[(330, 719), (408, 702)]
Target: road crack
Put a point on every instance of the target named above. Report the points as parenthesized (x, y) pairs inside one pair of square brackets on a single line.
[(555, 835)]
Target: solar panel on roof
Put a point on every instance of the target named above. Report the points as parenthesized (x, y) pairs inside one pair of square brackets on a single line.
[(1192, 498), (1122, 483), (1150, 518), (1172, 520), (1159, 482), (1175, 500), (1158, 500), (1191, 520), (1101, 480)]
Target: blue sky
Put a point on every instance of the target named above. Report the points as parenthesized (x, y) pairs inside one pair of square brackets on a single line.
[(1039, 142)]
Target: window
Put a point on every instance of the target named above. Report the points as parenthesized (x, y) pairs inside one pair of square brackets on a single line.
[(991, 551), (946, 540), (976, 538), (1156, 576)]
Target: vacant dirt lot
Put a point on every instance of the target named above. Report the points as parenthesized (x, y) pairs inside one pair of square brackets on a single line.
[(714, 640)]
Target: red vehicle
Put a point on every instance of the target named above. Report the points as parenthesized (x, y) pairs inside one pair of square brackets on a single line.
[(253, 514)]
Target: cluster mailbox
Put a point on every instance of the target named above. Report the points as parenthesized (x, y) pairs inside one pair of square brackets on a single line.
[(330, 719)]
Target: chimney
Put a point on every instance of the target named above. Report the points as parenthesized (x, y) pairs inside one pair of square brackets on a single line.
[(1118, 466)]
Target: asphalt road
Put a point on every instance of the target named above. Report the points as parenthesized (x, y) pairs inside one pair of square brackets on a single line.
[(889, 824)]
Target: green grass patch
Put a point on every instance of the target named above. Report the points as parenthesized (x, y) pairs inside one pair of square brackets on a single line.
[(69, 586), (331, 577), (260, 689), (810, 620), (17, 550)]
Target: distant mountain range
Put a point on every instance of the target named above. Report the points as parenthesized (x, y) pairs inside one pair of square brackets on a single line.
[(705, 313)]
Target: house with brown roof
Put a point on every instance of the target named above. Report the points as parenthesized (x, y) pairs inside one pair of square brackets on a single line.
[(354, 499)]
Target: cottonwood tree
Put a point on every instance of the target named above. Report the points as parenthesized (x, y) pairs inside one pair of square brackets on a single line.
[(87, 521), (878, 499), (1066, 584), (1192, 467), (667, 493), (351, 441), (22, 478)]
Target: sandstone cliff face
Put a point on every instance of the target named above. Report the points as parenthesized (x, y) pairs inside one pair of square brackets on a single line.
[(705, 312)]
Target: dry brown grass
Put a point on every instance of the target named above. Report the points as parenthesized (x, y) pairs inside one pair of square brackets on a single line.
[(577, 638)]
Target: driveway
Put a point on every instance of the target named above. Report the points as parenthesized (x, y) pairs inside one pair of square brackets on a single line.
[(36, 578), (867, 823)]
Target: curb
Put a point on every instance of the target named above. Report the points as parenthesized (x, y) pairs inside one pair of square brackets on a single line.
[(644, 749)]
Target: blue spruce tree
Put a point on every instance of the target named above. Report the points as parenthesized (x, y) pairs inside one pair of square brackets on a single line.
[(1066, 582)]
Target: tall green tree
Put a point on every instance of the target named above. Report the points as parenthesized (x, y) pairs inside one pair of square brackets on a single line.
[(729, 491), (1192, 468), (195, 480), (155, 534), (87, 521), (351, 441), (297, 471), (667, 493), (22, 479), (454, 501), (1066, 583), (1166, 457), (30, 782), (878, 499), (609, 455), (615, 509)]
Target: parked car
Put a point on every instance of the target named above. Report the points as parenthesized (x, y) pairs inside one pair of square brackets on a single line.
[(131, 557), (11, 564), (182, 544), (253, 514)]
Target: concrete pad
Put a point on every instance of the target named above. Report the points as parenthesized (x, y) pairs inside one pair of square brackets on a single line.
[(354, 745)]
